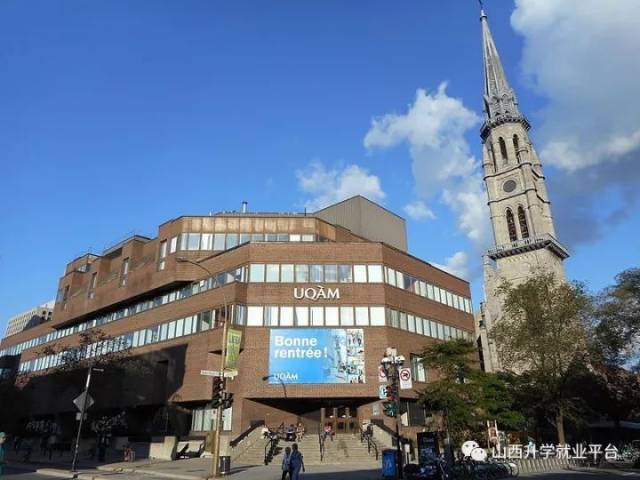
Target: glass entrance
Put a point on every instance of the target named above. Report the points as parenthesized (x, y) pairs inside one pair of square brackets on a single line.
[(342, 418)]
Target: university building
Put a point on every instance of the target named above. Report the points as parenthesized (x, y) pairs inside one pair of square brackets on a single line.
[(318, 298)]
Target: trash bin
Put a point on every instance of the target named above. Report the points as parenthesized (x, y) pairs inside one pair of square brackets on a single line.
[(389, 463), (225, 464)]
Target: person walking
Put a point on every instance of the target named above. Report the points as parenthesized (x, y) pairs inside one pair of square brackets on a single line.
[(296, 463), (286, 463), (3, 438)]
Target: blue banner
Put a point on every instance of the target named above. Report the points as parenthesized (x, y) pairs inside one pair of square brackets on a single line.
[(316, 355)]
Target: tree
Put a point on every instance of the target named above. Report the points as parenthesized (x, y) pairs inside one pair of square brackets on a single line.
[(465, 395), (542, 332)]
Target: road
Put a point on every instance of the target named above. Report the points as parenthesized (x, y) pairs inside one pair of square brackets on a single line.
[(12, 474)]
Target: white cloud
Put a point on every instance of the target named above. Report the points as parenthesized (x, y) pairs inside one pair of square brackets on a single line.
[(581, 55), (457, 264), (434, 128), (331, 186), (418, 210)]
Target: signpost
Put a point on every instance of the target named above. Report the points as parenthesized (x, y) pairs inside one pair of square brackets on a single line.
[(405, 378), (216, 373)]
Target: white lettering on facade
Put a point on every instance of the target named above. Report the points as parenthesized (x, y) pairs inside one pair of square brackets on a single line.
[(316, 293)]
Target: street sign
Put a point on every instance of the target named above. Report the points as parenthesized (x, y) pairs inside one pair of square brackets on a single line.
[(405, 378), (216, 373), (80, 399), (382, 392), (382, 375)]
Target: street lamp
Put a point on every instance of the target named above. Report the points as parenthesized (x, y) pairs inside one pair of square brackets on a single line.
[(391, 364), (83, 410), (215, 466), (284, 387)]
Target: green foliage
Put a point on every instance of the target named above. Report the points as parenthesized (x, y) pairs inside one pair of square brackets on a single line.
[(466, 396)]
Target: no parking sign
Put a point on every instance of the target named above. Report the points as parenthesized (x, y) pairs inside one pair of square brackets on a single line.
[(405, 378)]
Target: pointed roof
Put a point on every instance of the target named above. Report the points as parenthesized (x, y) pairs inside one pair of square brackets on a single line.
[(500, 102)]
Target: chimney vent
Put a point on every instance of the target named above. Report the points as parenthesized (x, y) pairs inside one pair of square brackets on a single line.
[(244, 207)]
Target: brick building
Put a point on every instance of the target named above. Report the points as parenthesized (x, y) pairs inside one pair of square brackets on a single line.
[(165, 298)]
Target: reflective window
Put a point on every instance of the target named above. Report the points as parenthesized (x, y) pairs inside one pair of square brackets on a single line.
[(207, 241), (286, 273), (317, 316), (286, 316), (302, 316), (377, 316), (362, 316), (360, 273), (273, 272), (193, 241), (346, 316), (254, 316), (411, 323), (232, 240), (331, 273), (173, 246), (257, 237), (375, 273), (218, 241), (256, 272), (316, 272), (302, 273), (331, 316), (271, 316), (344, 274)]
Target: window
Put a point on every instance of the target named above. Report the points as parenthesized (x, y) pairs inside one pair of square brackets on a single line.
[(317, 316), (344, 274), (411, 323), (302, 316), (522, 219), (331, 316), (308, 237), (207, 241), (218, 241), (271, 316), (362, 316), (286, 316), (511, 226), (377, 316), (375, 273), (503, 151), (193, 241), (173, 245), (391, 276), (403, 321), (516, 147), (331, 273), (256, 272), (163, 254), (302, 273), (94, 281), (294, 237), (346, 316), (270, 237), (124, 272), (232, 240), (419, 326), (286, 273), (360, 273), (244, 238), (273, 272), (417, 369), (254, 316), (179, 327), (316, 273)]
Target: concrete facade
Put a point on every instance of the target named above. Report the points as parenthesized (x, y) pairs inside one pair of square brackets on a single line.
[(30, 318)]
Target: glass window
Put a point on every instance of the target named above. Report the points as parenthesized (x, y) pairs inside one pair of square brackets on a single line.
[(244, 238), (173, 246), (346, 316), (375, 273), (207, 241), (256, 272), (163, 332), (271, 316), (257, 237), (232, 240), (411, 323), (362, 316), (419, 326), (399, 280), (136, 339), (317, 316), (332, 316), (273, 272), (205, 321), (254, 316), (391, 276), (395, 318), (294, 237), (193, 241), (286, 273), (240, 312), (308, 237), (316, 272), (302, 316), (377, 316), (331, 273), (407, 282), (430, 291), (283, 237), (184, 240), (344, 274), (218, 241), (302, 273), (447, 332), (360, 273), (286, 316), (271, 237), (163, 252), (417, 369), (188, 322), (422, 288), (436, 293), (440, 328), (179, 327)]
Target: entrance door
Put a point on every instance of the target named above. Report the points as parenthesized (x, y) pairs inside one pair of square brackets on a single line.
[(342, 418)]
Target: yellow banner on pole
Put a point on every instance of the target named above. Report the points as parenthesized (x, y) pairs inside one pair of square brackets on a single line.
[(234, 337)]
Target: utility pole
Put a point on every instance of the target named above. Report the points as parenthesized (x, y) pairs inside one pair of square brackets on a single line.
[(215, 467), (83, 411), (391, 364)]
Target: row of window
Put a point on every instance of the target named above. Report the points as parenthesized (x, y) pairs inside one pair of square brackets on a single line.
[(236, 275), (258, 273), (225, 241), (204, 419), (511, 224), (254, 316)]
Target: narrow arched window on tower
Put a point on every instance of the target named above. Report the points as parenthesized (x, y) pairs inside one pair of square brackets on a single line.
[(503, 150), (493, 157), (522, 219), (516, 147), (511, 226)]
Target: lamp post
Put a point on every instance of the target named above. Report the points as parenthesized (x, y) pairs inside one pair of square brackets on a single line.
[(83, 411), (391, 364), (284, 387), (215, 466)]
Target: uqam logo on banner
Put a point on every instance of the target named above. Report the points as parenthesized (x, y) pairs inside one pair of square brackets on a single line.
[(316, 293)]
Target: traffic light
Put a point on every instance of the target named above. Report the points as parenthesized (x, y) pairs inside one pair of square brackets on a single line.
[(392, 392), (390, 409), (227, 400), (217, 392)]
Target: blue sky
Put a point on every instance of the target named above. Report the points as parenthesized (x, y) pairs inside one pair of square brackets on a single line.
[(116, 116)]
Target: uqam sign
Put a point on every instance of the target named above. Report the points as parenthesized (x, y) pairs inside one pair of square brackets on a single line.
[(316, 293)]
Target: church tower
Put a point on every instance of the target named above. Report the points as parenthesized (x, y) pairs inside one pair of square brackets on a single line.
[(523, 231)]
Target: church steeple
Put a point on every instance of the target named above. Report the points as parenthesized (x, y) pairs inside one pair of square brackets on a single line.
[(500, 102)]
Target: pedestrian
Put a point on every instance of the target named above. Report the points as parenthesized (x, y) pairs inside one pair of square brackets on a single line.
[(296, 463), (3, 438), (286, 463)]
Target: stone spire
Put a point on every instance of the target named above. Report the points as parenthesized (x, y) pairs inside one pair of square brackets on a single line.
[(500, 102)]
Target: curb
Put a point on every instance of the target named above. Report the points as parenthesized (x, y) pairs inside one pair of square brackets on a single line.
[(144, 471)]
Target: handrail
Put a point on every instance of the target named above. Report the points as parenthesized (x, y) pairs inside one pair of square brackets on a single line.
[(245, 434), (371, 443), (321, 442), (269, 449)]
